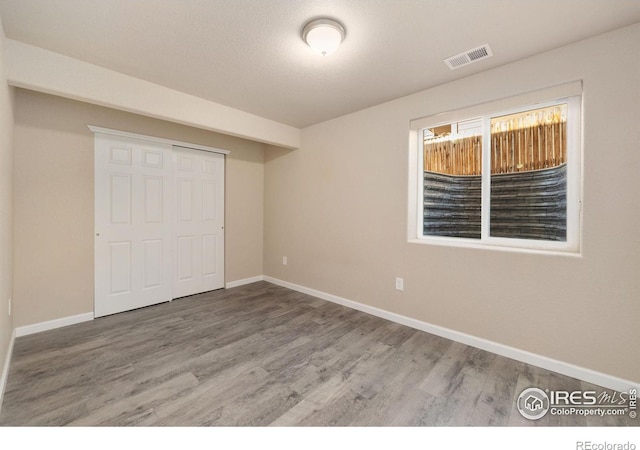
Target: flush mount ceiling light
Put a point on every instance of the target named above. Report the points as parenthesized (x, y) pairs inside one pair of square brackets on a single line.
[(324, 36)]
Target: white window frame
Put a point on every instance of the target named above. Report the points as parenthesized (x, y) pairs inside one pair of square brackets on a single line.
[(570, 93)]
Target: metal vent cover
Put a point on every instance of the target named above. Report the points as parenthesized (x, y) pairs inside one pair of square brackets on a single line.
[(469, 56)]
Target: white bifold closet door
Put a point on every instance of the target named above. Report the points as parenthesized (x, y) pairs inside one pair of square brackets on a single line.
[(159, 218)]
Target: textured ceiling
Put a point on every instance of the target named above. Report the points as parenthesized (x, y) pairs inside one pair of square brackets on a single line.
[(248, 54)]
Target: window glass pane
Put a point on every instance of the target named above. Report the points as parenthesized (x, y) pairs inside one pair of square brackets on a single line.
[(529, 175), (452, 177)]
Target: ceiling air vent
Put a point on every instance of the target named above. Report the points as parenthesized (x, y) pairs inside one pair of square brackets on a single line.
[(468, 57)]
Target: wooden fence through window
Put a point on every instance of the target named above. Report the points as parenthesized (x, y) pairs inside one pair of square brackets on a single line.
[(529, 148), (513, 149), (454, 157)]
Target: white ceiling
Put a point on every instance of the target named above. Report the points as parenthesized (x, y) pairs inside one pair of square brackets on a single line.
[(248, 54)]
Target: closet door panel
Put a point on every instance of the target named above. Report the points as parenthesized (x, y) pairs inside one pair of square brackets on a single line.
[(133, 239), (200, 220)]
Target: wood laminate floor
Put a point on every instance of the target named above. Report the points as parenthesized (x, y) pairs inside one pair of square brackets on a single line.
[(260, 355)]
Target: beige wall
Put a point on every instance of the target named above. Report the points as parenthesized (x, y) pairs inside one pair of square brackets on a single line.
[(53, 201), (337, 208), (6, 206)]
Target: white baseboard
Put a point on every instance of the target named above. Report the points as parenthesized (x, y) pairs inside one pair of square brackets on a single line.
[(581, 373), (5, 368), (52, 324), (232, 284)]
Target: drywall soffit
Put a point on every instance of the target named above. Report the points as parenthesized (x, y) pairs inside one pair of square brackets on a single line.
[(41, 70)]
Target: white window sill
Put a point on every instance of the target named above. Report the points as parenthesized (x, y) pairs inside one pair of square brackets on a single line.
[(469, 243)]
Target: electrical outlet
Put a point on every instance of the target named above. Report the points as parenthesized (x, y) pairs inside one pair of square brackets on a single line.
[(400, 284), (284, 260)]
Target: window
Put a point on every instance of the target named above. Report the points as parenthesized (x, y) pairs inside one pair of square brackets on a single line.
[(505, 174)]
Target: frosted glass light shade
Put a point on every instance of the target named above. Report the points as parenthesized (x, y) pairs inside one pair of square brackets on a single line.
[(324, 36)]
